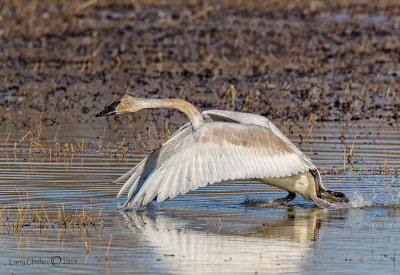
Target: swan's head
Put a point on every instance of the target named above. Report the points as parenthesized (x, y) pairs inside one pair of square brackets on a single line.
[(126, 104)]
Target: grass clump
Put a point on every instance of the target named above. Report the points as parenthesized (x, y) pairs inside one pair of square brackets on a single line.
[(25, 217)]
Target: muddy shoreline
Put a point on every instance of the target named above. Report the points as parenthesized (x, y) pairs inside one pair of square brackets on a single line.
[(290, 61)]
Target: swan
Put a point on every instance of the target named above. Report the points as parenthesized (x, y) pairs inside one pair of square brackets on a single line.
[(218, 145)]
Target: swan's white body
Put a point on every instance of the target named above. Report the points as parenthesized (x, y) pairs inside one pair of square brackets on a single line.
[(215, 146)]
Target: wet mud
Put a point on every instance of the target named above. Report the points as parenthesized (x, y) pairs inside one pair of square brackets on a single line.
[(288, 60)]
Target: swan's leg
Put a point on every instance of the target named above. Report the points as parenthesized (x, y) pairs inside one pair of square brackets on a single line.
[(280, 201), (324, 194), (286, 199)]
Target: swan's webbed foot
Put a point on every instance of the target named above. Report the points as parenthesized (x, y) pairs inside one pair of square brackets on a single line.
[(290, 196), (281, 201)]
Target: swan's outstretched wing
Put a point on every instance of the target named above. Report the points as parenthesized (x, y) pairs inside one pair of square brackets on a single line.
[(219, 151), (147, 165)]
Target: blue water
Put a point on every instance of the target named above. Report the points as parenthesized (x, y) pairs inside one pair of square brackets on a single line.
[(209, 230)]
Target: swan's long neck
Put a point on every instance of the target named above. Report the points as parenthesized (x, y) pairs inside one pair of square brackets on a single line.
[(185, 107)]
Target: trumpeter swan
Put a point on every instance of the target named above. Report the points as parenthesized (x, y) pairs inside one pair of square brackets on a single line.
[(214, 146)]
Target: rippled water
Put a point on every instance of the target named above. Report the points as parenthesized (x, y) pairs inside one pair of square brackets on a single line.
[(209, 230)]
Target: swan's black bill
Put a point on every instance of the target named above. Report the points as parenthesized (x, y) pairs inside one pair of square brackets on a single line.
[(110, 109)]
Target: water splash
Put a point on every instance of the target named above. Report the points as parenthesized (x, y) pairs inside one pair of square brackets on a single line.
[(378, 197), (357, 200)]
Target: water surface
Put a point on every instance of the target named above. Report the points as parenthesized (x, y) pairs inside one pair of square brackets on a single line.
[(209, 230)]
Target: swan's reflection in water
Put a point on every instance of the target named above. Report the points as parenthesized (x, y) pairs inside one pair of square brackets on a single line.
[(189, 242)]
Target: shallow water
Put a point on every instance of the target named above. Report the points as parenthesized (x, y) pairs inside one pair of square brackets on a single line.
[(209, 230)]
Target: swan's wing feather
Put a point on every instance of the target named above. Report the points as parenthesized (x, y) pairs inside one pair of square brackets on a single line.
[(208, 116), (148, 164), (219, 151), (247, 118), (238, 117)]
